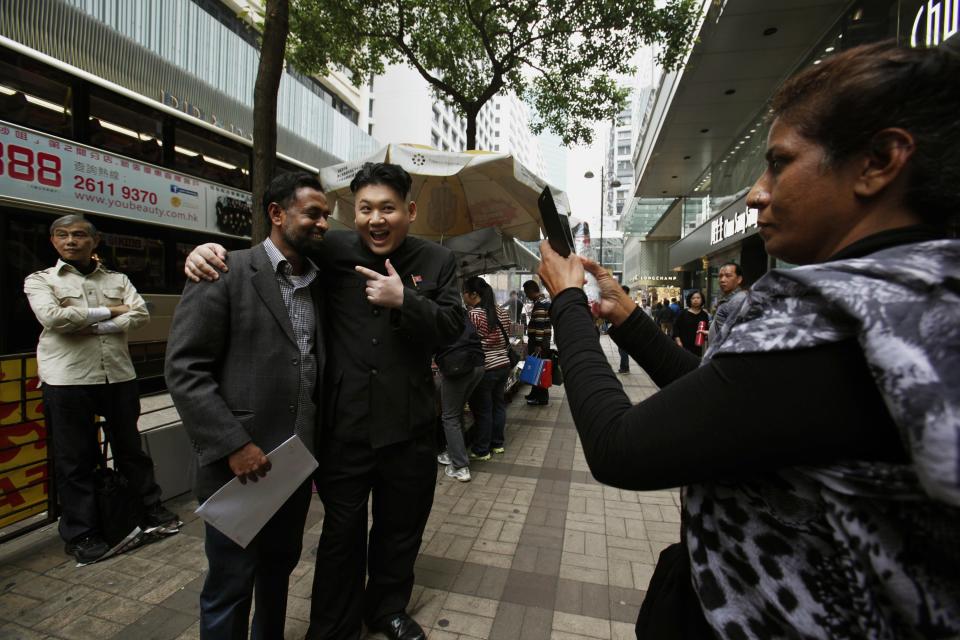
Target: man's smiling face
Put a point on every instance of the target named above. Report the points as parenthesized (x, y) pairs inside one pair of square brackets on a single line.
[(382, 217)]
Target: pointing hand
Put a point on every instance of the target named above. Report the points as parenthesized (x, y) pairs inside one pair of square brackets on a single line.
[(383, 291)]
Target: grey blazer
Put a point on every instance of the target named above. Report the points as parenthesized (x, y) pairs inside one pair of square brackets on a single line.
[(233, 365)]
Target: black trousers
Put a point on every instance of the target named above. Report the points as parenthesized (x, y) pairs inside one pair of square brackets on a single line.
[(69, 411), (401, 478), (260, 573)]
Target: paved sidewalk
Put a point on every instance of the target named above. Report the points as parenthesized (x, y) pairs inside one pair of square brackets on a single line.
[(532, 548)]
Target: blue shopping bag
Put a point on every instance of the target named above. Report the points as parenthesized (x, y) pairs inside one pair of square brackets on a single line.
[(532, 370)]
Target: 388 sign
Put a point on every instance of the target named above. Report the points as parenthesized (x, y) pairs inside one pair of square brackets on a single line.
[(35, 167), (21, 163)]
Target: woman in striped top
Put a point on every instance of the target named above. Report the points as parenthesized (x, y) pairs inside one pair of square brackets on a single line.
[(487, 401)]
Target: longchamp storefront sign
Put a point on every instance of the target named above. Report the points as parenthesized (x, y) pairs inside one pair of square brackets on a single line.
[(59, 173)]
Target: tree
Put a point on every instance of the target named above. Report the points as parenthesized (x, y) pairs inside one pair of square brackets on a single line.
[(560, 56), (276, 25)]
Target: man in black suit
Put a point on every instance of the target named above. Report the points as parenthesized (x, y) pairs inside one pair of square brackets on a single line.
[(243, 362), (391, 300)]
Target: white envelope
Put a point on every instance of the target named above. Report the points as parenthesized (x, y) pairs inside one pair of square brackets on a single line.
[(239, 511)]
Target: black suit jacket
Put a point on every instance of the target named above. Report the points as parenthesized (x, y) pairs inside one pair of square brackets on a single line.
[(379, 380), (233, 365)]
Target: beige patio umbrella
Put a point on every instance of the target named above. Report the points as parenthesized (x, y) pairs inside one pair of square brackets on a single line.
[(456, 193)]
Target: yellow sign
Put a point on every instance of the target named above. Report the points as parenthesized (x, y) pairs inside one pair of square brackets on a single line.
[(24, 480)]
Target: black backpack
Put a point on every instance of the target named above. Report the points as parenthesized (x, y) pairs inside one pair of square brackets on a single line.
[(464, 355)]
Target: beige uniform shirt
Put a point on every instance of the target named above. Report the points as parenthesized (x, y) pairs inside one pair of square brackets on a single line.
[(66, 302)]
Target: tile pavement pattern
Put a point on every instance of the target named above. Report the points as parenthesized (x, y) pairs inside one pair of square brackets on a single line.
[(532, 548)]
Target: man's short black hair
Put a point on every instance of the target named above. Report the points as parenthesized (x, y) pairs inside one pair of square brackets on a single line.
[(531, 285), (283, 189), (736, 267), (391, 175), (626, 289)]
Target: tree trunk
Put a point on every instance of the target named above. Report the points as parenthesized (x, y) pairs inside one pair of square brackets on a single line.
[(471, 128), (276, 25)]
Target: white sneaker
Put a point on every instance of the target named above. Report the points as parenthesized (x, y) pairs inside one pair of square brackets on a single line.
[(443, 458), (462, 474)]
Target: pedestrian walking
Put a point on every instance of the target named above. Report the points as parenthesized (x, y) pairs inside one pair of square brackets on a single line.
[(487, 401), (461, 368), (732, 294), (692, 322), (538, 336), (624, 356)]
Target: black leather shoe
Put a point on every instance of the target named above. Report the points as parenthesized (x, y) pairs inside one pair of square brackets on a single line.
[(401, 627), (534, 403), (87, 549)]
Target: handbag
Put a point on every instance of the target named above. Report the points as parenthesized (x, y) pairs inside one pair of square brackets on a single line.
[(463, 356), (458, 363), (532, 370), (546, 377), (512, 354)]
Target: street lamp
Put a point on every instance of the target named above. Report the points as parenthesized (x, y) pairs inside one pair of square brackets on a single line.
[(613, 185)]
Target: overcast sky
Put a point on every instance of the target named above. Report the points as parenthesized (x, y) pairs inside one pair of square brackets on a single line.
[(584, 194)]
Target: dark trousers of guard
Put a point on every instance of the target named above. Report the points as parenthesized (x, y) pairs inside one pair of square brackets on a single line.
[(258, 574), (401, 479), (70, 411)]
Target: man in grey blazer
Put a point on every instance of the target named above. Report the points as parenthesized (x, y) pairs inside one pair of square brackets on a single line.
[(244, 361)]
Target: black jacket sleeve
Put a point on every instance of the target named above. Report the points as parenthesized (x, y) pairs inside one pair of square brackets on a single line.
[(736, 415), (662, 359)]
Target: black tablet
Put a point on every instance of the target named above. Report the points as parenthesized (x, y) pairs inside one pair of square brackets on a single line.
[(556, 226)]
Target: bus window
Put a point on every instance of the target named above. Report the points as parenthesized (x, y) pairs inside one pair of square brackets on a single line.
[(283, 166), (28, 249), (217, 160), (113, 126), (142, 259), (34, 101)]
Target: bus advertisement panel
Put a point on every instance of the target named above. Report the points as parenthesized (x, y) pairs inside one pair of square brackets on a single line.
[(35, 167)]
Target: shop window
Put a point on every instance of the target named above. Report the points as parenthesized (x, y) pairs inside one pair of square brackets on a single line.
[(33, 100), (211, 157)]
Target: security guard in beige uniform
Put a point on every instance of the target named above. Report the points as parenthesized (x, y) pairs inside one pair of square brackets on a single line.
[(85, 369)]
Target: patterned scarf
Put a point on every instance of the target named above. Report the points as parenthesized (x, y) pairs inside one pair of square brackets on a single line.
[(855, 549)]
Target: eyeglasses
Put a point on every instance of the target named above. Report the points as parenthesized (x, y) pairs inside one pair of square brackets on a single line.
[(76, 235)]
